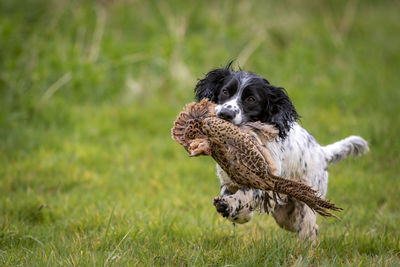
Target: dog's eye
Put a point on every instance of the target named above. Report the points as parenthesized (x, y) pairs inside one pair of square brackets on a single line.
[(250, 99), (225, 92)]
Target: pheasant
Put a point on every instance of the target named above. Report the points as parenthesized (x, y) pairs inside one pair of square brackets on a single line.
[(238, 150)]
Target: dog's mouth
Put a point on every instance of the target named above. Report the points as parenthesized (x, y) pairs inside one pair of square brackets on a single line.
[(230, 116)]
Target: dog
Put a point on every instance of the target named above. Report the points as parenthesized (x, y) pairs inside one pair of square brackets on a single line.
[(247, 97)]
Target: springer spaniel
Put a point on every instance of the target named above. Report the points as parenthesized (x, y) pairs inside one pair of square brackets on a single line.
[(244, 96)]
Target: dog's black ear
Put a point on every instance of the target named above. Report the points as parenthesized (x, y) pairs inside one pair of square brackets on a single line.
[(209, 86), (280, 110)]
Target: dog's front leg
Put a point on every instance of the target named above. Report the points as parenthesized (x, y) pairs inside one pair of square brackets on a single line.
[(239, 207)]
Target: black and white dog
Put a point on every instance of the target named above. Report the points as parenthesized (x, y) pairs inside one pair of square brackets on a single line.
[(243, 97)]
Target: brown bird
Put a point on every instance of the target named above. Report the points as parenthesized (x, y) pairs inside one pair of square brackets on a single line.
[(240, 154)]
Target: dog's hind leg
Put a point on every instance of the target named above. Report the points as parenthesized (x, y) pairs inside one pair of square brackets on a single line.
[(297, 217)]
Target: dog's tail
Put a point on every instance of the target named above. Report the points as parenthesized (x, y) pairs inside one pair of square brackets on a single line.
[(352, 145)]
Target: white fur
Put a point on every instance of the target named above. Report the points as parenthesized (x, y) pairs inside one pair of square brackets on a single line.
[(232, 104)]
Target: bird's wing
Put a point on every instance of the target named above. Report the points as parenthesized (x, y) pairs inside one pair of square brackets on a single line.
[(251, 170), (243, 156), (267, 132), (238, 142)]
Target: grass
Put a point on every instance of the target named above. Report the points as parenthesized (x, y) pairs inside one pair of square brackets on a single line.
[(89, 90)]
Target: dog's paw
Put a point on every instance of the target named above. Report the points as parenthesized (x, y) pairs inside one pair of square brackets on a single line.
[(222, 206)]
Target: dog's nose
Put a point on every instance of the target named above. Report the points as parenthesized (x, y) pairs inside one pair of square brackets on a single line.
[(226, 114)]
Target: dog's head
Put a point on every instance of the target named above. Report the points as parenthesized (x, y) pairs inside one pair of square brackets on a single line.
[(246, 97)]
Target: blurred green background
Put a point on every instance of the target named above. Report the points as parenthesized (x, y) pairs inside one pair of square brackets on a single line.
[(88, 92)]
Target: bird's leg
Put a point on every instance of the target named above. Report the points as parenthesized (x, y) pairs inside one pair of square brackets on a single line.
[(198, 147), (239, 207)]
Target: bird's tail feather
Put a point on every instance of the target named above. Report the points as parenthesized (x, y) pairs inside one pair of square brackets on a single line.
[(304, 193)]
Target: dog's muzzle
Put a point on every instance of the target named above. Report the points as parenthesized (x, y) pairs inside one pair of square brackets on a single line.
[(226, 114)]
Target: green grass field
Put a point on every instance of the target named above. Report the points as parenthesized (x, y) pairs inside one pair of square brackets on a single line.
[(88, 92)]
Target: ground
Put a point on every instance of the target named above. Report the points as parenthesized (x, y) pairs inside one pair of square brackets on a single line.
[(88, 92)]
